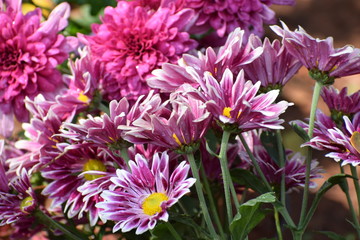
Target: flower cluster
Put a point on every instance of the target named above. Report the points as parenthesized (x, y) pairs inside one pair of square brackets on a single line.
[(137, 127)]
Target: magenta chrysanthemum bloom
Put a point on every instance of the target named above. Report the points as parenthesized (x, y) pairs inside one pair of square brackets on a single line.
[(141, 197), (236, 103), (40, 147), (181, 131), (324, 62), (275, 66), (340, 103), (349, 137), (17, 198), (132, 41), (84, 83), (70, 173), (226, 15), (30, 52), (233, 55), (294, 169)]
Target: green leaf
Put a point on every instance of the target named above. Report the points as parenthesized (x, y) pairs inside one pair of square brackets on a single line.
[(269, 141), (161, 232), (332, 181), (300, 131), (250, 214), (248, 179)]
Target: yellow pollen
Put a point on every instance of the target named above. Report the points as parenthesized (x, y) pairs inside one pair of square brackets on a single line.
[(176, 139), (26, 202), (226, 112), (93, 165), (83, 98), (355, 140), (152, 204)]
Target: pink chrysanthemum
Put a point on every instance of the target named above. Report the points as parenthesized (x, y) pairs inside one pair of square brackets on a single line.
[(225, 15), (78, 175), (236, 103), (275, 66), (84, 84), (349, 137), (340, 103), (141, 197), (17, 198), (133, 41), (30, 52), (233, 55), (324, 62), (181, 131), (294, 168)]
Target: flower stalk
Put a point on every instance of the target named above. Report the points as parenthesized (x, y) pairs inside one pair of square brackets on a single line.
[(314, 103), (199, 191)]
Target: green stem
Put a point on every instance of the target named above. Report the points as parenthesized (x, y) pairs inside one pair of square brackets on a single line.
[(173, 231), (212, 202), (351, 206), (282, 162), (199, 191), (255, 163), (314, 103), (278, 225), (356, 184), (125, 156), (52, 224), (225, 174)]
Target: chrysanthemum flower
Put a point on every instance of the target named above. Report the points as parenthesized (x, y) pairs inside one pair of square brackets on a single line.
[(236, 103), (275, 66), (225, 15), (108, 131), (84, 84), (40, 147), (233, 55), (30, 52), (324, 62), (17, 198), (320, 139), (71, 170), (340, 103), (294, 168), (132, 41), (349, 137), (141, 197), (181, 131)]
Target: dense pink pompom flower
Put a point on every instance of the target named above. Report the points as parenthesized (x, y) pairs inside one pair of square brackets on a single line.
[(132, 41), (324, 62), (30, 52), (226, 15), (140, 198)]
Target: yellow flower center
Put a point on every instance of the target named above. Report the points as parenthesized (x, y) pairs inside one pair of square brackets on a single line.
[(355, 141), (176, 139), (93, 165), (83, 98), (151, 204), (26, 202), (226, 112)]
